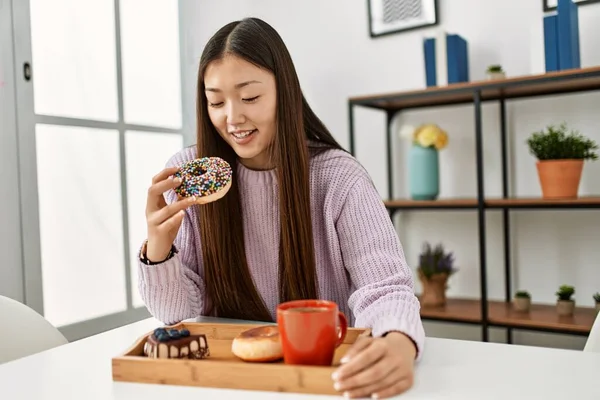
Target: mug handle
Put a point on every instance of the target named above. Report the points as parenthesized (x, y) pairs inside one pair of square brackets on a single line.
[(343, 328)]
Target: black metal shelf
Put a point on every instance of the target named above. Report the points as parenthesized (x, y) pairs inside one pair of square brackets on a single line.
[(476, 93), (549, 84), (494, 204)]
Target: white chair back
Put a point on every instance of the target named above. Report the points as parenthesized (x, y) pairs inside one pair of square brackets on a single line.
[(593, 341), (24, 332)]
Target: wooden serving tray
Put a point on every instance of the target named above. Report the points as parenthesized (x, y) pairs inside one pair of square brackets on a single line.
[(222, 369)]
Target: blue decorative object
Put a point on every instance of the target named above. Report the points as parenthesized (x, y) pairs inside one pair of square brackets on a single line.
[(561, 37), (458, 59), (446, 59), (551, 43), (568, 35), (424, 173)]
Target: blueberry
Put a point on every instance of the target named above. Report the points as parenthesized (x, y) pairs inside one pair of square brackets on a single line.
[(174, 334), (158, 331), (163, 337), (184, 332)]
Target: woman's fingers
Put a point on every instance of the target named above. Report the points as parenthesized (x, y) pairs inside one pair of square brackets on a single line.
[(372, 377), (163, 214), (157, 189), (156, 199), (364, 358), (375, 384), (164, 174), (358, 346), (174, 222)]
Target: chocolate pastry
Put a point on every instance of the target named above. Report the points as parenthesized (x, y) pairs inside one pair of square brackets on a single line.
[(173, 343)]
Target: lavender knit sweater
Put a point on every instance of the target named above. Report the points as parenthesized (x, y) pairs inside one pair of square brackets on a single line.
[(359, 258)]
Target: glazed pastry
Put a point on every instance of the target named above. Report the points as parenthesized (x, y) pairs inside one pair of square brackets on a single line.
[(261, 344)]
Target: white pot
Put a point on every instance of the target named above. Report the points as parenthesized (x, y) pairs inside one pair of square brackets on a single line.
[(565, 307), (492, 76), (522, 304)]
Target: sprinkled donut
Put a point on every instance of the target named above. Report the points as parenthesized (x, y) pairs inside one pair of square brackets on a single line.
[(206, 178)]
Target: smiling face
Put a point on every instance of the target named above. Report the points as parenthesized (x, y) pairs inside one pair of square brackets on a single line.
[(242, 101)]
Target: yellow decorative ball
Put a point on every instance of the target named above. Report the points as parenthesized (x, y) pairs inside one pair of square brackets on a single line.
[(441, 140), (431, 135)]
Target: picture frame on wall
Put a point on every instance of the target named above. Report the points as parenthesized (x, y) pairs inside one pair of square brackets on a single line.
[(388, 17), (550, 5)]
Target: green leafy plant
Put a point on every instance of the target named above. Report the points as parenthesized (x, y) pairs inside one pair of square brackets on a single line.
[(435, 260), (597, 297), (565, 292), (556, 143), (494, 68), (523, 294)]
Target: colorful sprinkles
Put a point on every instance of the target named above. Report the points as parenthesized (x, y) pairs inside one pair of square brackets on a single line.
[(203, 176)]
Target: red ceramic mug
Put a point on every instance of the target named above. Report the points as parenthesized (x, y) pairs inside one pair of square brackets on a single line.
[(310, 331)]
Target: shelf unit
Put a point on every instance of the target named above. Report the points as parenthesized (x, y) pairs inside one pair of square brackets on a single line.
[(484, 312)]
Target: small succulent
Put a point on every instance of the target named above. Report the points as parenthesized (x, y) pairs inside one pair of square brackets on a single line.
[(433, 261), (523, 294), (565, 292), (494, 68), (597, 297)]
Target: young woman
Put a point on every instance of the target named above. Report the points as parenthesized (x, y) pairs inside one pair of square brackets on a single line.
[(302, 219)]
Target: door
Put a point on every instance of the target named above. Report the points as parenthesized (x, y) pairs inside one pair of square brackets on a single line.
[(11, 263), (99, 115)]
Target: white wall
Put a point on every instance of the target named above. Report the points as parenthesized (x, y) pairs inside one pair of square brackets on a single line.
[(336, 59), (11, 283)]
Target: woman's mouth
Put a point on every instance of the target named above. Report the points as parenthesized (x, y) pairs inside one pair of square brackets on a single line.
[(243, 137)]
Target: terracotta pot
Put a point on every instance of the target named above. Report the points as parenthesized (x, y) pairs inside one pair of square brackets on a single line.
[(560, 179), (565, 307), (434, 290), (522, 304)]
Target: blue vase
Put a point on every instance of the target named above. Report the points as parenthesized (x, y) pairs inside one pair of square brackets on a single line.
[(424, 173)]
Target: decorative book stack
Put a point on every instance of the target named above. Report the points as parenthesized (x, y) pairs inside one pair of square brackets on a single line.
[(446, 59), (561, 37)]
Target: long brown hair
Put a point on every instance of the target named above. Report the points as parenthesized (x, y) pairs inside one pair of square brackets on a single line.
[(229, 284)]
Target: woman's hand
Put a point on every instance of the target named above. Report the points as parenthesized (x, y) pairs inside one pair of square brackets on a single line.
[(377, 367), (163, 220)]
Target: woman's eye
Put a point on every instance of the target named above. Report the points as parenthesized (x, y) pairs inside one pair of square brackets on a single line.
[(251, 99), (215, 104)]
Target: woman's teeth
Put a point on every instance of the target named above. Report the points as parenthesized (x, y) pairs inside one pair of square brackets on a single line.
[(242, 134)]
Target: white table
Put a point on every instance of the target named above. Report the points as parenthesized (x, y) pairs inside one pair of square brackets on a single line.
[(450, 369)]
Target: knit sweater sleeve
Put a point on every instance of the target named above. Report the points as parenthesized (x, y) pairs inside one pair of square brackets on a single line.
[(174, 290), (384, 298)]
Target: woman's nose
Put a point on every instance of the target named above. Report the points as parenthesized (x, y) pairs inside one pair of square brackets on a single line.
[(234, 115)]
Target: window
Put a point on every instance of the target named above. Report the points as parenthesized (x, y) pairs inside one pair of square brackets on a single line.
[(106, 112)]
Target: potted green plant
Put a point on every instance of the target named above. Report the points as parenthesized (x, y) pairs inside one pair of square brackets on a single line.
[(435, 267), (565, 305), (560, 156), (597, 300), (522, 301), (495, 72)]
